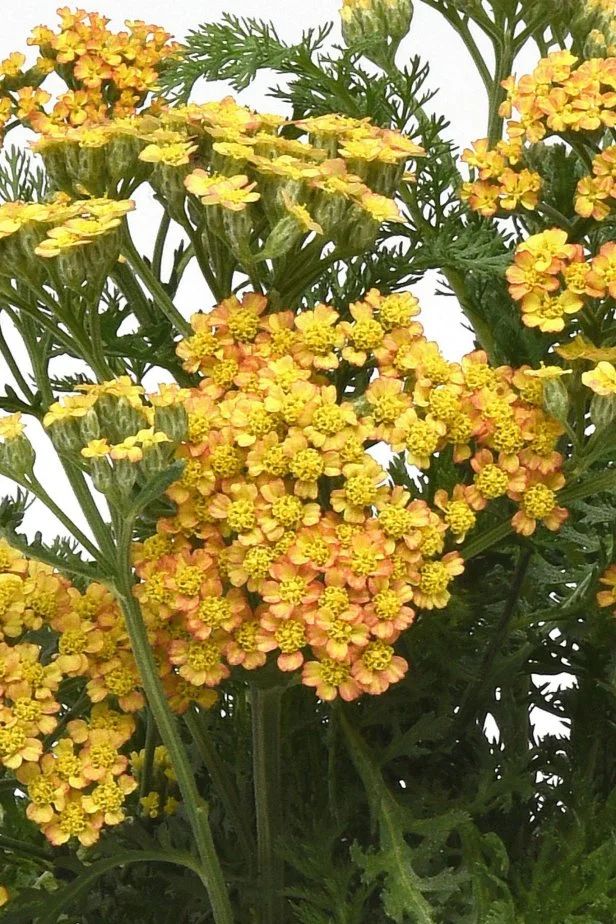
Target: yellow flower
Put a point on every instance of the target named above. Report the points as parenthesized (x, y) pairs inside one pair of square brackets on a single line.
[(231, 192), (172, 155), (380, 207), (601, 379), (11, 426)]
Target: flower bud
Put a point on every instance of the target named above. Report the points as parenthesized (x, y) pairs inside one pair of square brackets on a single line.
[(376, 22), (124, 476), (281, 238), (238, 230), (17, 456), (65, 436), (89, 426), (603, 411), (101, 473), (172, 420), (156, 458), (556, 399)]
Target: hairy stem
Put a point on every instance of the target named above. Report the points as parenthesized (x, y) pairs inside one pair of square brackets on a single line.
[(265, 706)]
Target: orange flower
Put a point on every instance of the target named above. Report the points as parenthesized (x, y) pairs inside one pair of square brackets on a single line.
[(378, 667), (200, 662), (608, 597), (331, 679), (387, 614), (319, 338), (538, 502), (433, 579)]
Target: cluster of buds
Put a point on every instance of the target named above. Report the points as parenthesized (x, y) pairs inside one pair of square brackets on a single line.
[(107, 74), (120, 440), (84, 236), (234, 174), (595, 26), (375, 25), (163, 795)]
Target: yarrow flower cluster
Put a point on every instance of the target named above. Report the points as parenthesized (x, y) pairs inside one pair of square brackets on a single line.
[(107, 73), (561, 96), (552, 279)]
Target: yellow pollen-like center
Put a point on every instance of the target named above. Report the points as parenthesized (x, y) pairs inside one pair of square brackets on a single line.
[(436, 368), (67, 765), (155, 589), (260, 422), (73, 819), (12, 740), (198, 428), (360, 490), (119, 681), (241, 516), (395, 521), (26, 709), (108, 796), (422, 440), (290, 636), (478, 376), (328, 419), (340, 631), (292, 590), (103, 755), (226, 461), (224, 371), (33, 673), (491, 481), (244, 325), (377, 656), (257, 562), (41, 790), (334, 600), (507, 438), (386, 604), (367, 334), (275, 462), (434, 577), (459, 517), (320, 338), (364, 563), (44, 603), (203, 344), (203, 655), (317, 551), (334, 673), (246, 636), (538, 501), (307, 465), (214, 611), (189, 580), (288, 511)]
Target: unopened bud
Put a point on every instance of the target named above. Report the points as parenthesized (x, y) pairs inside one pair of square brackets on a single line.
[(603, 410), (556, 399), (156, 458), (89, 426), (172, 420), (17, 456), (102, 474), (124, 476), (65, 436)]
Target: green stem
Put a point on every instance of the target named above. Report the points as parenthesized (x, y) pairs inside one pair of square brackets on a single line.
[(481, 329), (265, 708), (222, 781), (24, 849), (59, 901), (504, 53), (159, 244), (15, 370), (156, 288), (148, 756), (196, 809), (604, 481)]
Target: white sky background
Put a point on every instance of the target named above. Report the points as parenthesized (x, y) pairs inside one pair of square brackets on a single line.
[(461, 98)]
